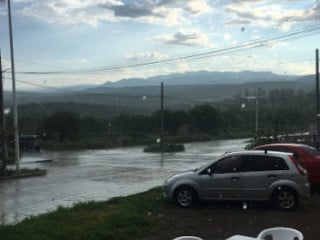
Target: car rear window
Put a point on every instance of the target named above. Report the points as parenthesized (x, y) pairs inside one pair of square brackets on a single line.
[(311, 150), (262, 163)]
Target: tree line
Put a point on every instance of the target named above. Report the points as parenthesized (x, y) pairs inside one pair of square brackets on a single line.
[(201, 119), (279, 111)]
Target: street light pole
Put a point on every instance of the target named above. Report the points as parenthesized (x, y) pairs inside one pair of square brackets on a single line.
[(14, 99), (162, 119), (257, 111)]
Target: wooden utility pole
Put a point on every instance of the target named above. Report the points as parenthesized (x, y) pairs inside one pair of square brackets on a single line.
[(14, 98), (317, 96), (2, 124), (162, 119)]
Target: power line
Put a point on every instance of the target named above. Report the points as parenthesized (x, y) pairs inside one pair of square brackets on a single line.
[(38, 85), (35, 84), (36, 63), (227, 50), (150, 96)]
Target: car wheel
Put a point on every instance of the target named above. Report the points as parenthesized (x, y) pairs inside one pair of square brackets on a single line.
[(186, 196), (285, 198)]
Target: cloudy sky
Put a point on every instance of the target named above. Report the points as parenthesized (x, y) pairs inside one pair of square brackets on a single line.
[(68, 42)]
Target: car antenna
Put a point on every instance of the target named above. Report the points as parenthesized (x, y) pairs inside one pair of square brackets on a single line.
[(265, 151)]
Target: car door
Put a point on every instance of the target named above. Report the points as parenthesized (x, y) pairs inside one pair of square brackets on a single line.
[(258, 173), (222, 180), (254, 178)]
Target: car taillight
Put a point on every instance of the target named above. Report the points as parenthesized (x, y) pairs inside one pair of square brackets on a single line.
[(300, 168)]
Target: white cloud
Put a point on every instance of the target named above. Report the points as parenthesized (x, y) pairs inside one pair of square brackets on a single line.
[(263, 14), (227, 36), (23, 1), (302, 68), (5, 64), (69, 11), (92, 12), (254, 62), (182, 66), (73, 61), (190, 37), (198, 6), (146, 56), (83, 60)]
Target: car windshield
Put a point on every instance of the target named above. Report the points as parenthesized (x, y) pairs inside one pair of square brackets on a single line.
[(103, 99)]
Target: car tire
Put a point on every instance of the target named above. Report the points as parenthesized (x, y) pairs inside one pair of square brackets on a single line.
[(186, 197), (285, 198)]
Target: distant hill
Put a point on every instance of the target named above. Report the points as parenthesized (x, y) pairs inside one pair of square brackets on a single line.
[(308, 79), (181, 91), (202, 78)]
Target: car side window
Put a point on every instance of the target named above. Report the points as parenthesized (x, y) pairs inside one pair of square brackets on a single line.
[(277, 163), (262, 163), (250, 164), (229, 164)]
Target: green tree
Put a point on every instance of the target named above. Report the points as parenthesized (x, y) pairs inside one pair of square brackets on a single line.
[(173, 120), (133, 124), (94, 127), (205, 119), (62, 125)]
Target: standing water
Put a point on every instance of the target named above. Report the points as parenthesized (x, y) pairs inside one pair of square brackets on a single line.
[(74, 176)]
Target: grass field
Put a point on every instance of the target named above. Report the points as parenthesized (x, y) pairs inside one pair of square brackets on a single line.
[(148, 216)]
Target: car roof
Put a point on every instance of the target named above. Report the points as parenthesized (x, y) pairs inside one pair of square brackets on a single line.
[(257, 152), (281, 145)]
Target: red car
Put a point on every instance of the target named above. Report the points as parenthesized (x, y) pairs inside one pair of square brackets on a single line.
[(306, 155)]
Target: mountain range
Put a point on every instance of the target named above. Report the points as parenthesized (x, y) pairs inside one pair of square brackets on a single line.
[(179, 89), (142, 96), (202, 78)]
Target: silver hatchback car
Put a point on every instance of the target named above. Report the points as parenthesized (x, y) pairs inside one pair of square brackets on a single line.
[(244, 175)]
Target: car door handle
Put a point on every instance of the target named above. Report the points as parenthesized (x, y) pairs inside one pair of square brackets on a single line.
[(234, 178), (272, 176)]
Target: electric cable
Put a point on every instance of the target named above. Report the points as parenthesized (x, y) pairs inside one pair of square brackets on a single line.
[(226, 50)]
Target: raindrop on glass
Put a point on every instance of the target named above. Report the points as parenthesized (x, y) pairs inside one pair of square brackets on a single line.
[(6, 111), (244, 205)]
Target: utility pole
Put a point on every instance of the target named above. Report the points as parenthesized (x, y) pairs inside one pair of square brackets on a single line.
[(14, 99), (317, 96), (162, 119), (2, 123), (257, 115)]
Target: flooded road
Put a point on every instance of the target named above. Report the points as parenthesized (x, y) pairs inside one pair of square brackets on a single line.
[(74, 176)]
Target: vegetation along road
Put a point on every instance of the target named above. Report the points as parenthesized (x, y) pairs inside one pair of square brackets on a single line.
[(149, 216)]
